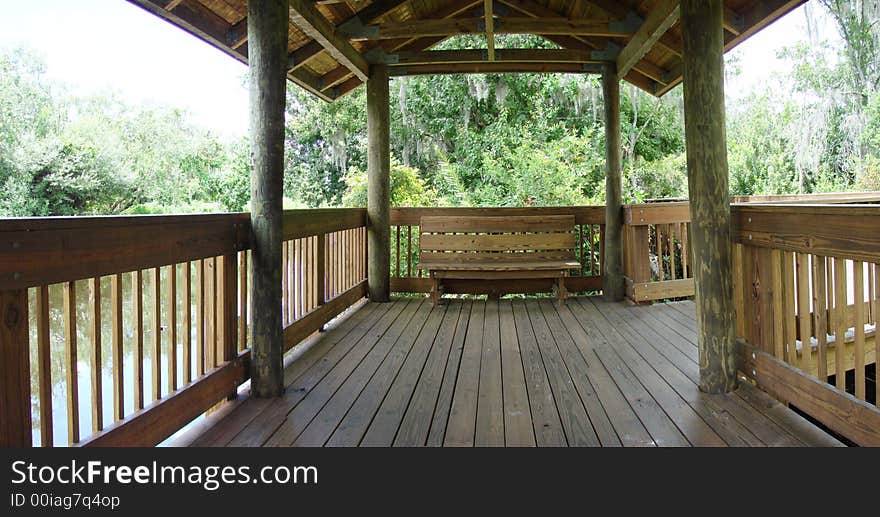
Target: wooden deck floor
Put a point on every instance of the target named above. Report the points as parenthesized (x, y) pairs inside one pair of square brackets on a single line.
[(508, 373)]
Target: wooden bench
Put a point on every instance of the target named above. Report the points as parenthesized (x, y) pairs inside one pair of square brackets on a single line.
[(497, 247)]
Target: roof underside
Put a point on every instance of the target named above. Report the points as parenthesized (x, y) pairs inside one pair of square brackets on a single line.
[(331, 43)]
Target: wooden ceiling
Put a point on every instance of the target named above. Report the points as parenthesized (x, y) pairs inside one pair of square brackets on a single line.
[(332, 43)]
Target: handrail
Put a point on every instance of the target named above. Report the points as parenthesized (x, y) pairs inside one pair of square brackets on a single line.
[(167, 287)]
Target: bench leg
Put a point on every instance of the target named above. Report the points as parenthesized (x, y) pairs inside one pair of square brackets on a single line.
[(561, 292), (435, 290)]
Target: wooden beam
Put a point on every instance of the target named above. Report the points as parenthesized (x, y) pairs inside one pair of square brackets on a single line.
[(621, 12), (613, 288), (311, 22), (490, 29), (368, 15), (267, 53), (237, 34), (490, 67), (378, 185), (477, 25), (705, 139), (664, 14), (510, 55)]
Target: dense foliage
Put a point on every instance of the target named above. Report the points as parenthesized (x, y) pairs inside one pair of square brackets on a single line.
[(529, 139)]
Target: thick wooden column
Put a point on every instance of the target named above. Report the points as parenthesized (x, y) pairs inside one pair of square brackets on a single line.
[(378, 186), (267, 56), (15, 383), (706, 141), (612, 262)]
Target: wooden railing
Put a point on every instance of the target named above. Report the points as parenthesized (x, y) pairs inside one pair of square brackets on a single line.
[(127, 328), (656, 258), (807, 297), (590, 236), (325, 268)]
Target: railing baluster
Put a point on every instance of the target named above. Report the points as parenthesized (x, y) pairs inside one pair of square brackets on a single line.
[(137, 311), (285, 269), (71, 362), (397, 252), (210, 315), (297, 278), (172, 328), (15, 387), (788, 307), (777, 295), (242, 300), (840, 288), (200, 318), (859, 327), (876, 305), (156, 363), (803, 308), (117, 347), (820, 315), (95, 355), (409, 252), (684, 250), (320, 270), (670, 234), (187, 322), (44, 366)]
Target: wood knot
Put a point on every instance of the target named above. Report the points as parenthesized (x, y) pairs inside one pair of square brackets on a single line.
[(11, 316)]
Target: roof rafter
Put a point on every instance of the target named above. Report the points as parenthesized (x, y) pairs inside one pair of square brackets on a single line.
[(479, 25), (662, 17), (305, 16)]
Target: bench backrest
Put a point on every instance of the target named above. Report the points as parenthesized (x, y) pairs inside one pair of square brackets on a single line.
[(501, 238)]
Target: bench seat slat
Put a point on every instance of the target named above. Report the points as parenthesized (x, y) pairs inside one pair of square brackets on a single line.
[(502, 242), (488, 256), (501, 266), (514, 223)]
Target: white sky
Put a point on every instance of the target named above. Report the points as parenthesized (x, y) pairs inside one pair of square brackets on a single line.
[(95, 45)]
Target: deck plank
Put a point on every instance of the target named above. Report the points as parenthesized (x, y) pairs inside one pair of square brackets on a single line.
[(578, 371), (716, 411), (360, 393), (489, 430), (461, 427), (345, 418), (545, 415), (383, 428), (417, 412), (656, 421), (382, 336), (437, 431), (506, 373), (578, 427), (307, 370), (518, 429)]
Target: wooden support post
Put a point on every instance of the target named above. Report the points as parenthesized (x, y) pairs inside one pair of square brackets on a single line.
[(612, 275), (267, 55), (227, 327), (703, 44), (15, 369), (378, 186)]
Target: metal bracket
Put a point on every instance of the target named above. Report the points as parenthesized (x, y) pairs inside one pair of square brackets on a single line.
[(378, 56), (356, 28), (631, 23), (609, 54)]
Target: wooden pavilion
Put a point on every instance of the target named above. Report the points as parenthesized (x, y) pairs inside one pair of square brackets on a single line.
[(593, 372)]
